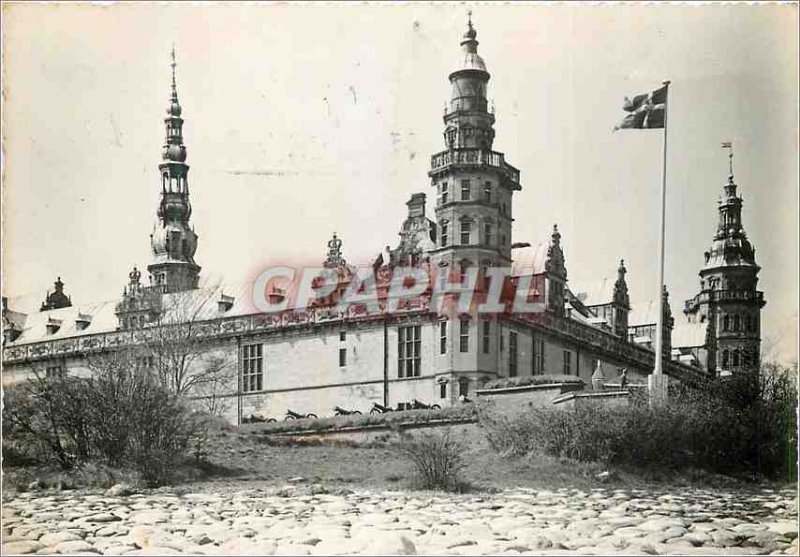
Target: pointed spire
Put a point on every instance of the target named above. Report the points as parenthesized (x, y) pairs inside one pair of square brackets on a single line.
[(621, 288), (555, 236), (555, 263), (174, 106)]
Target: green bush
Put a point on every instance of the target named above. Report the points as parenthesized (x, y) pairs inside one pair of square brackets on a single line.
[(742, 426), (506, 382), (437, 458)]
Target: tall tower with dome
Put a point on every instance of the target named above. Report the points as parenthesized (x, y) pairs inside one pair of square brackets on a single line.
[(173, 240), (474, 184), (729, 301)]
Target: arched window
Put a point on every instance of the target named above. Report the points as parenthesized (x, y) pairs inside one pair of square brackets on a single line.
[(726, 323), (736, 354), (724, 359)]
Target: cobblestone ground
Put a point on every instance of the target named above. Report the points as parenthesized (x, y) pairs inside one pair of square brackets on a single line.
[(294, 521)]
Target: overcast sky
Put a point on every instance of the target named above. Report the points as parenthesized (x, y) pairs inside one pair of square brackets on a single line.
[(304, 120)]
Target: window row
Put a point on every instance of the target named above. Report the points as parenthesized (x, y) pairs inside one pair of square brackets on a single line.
[(738, 357), (735, 322), (486, 193), (466, 232), (409, 353)]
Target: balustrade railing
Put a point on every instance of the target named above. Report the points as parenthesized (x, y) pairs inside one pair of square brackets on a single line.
[(474, 157)]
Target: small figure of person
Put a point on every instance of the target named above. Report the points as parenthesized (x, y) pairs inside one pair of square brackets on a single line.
[(623, 379)]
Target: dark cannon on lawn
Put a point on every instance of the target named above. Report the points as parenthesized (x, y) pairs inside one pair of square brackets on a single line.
[(379, 409), (292, 415), (343, 412), (417, 405), (257, 419)]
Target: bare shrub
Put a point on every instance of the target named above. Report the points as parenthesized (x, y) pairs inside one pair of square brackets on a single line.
[(437, 458)]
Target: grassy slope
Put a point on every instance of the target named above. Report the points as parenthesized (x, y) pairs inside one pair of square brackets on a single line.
[(243, 460)]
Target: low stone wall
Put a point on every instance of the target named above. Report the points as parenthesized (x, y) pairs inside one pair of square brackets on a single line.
[(512, 400), (608, 399)]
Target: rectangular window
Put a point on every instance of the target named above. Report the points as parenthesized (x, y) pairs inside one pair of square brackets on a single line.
[(466, 228), (55, 372), (464, 336), (408, 351), (538, 356), (342, 336), (487, 234), (443, 337), (465, 190), (342, 357), (443, 235), (512, 354), (252, 368), (567, 362), (487, 192), (442, 390), (487, 329), (444, 193)]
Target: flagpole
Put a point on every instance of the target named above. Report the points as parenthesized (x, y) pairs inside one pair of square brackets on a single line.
[(657, 384)]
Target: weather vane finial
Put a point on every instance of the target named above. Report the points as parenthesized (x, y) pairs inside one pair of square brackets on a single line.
[(729, 146), (469, 18)]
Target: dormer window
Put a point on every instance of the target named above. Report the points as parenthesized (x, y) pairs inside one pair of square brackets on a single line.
[(53, 325), (225, 303), (82, 321)]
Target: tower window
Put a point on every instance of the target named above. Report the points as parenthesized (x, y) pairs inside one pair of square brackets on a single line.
[(736, 322), (444, 193), (487, 192), (442, 390), (736, 358), (726, 323), (466, 229), (464, 336), (725, 355), (444, 234), (487, 234), (342, 357), (442, 337), (465, 190), (487, 329), (512, 354), (342, 336)]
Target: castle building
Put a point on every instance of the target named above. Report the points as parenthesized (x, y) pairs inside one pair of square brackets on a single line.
[(322, 357)]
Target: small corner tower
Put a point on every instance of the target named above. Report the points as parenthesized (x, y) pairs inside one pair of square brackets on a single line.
[(474, 184), (173, 241), (621, 303), (729, 300)]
